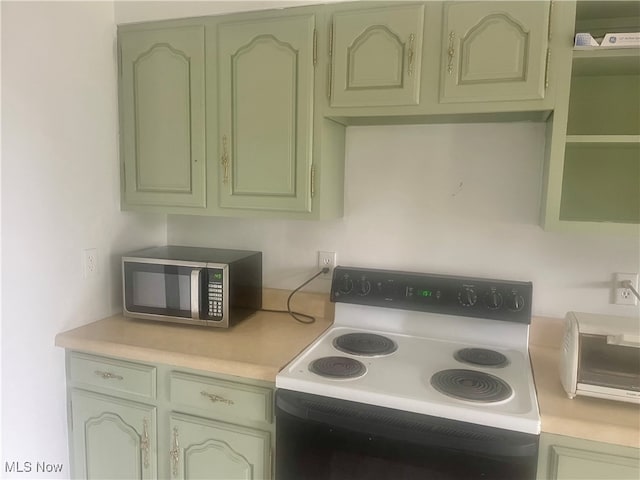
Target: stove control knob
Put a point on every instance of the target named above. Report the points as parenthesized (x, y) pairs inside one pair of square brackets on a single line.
[(345, 285), (467, 297), (515, 302), (493, 300), (387, 289), (363, 286)]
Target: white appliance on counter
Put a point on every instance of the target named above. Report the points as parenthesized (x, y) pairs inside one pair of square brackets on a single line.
[(601, 357), (432, 364)]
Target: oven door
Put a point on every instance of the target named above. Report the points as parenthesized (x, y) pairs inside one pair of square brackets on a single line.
[(321, 438)]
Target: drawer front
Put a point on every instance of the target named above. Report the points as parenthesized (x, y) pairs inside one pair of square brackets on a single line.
[(222, 399), (89, 371)]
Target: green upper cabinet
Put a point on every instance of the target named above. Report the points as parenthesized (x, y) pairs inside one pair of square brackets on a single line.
[(494, 51), (244, 115), (266, 69), (376, 56), (162, 116), (592, 166)]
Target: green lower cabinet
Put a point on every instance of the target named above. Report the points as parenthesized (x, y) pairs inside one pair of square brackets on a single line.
[(213, 450), (112, 438), (129, 420), (565, 458)]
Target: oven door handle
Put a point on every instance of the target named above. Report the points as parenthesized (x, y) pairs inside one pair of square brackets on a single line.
[(405, 426)]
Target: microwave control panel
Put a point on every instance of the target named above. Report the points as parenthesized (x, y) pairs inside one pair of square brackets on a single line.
[(215, 293)]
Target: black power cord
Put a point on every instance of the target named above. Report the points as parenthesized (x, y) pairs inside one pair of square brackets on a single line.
[(297, 315)]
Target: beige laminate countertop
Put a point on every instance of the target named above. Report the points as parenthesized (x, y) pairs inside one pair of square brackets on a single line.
[(257, 347), (595, 419), (261, 345)]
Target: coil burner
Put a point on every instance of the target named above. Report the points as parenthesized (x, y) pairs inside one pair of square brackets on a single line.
[(338, 367), (481, 356), (471, 385), (367, 344)]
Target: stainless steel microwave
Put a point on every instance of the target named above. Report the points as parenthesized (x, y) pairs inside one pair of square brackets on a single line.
[(199, 286), (601, 357)]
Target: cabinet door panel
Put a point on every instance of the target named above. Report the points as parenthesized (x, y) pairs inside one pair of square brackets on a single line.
[(162, 104), (377, 56), (572, 463), (494, 51), (212, 450), (112, 438), (266, 76), (565, 458)]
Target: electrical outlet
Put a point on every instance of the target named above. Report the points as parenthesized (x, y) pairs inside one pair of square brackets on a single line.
[(327, 260), (90, 262), (622, 295)]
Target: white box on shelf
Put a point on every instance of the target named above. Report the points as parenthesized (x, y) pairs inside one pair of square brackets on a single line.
[(621, 40)]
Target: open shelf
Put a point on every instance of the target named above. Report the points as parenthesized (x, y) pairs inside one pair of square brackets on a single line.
[(603, 139), (604, 105), (594, 158), (601, 183), (601, 169), (606, 61)]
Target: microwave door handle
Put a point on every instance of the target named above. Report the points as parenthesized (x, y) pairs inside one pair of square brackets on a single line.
[(195, 293), (624, 339)]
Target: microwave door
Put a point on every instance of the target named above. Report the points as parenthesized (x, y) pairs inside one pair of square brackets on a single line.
[(163, 290)]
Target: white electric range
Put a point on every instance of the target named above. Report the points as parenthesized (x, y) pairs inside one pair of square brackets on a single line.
[(435, 346)]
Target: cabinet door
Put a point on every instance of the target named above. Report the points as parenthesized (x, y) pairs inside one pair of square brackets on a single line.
[(266, 80), (112, 438), (494, 51), (564, 458), (212, 450), (376, 56), (162, 116), (571, 463)]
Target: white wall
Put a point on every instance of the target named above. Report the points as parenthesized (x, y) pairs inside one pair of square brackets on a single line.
[(453, 199), (60, 195)]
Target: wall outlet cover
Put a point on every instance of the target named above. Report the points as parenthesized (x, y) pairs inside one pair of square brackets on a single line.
[(90, 262), (327, 260), (622, 295)]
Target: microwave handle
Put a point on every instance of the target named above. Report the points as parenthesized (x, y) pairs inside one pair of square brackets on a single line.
[(624, 340), (195, 293)]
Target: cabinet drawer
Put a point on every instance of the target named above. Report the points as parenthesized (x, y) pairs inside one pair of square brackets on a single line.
[(221, 398), (90, 371)]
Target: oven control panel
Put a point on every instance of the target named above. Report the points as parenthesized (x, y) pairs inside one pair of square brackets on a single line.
[(445, 294)]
